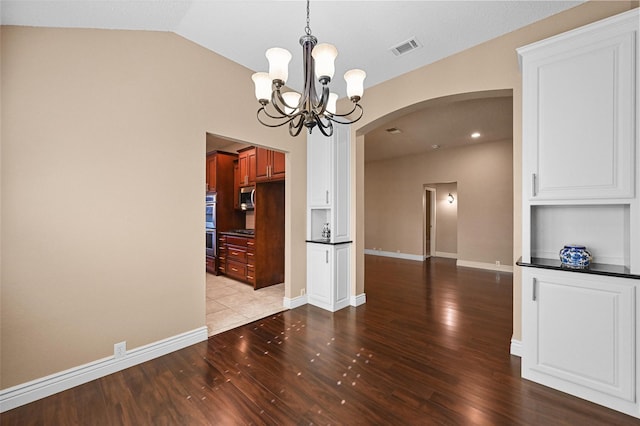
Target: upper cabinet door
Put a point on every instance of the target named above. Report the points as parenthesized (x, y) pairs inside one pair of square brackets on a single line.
[(579, 112), (262, 164), (320, 169), (278, 165)]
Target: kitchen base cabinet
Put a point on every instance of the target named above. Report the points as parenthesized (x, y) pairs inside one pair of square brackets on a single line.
[(211, 265), (580, 335), (328, 275)]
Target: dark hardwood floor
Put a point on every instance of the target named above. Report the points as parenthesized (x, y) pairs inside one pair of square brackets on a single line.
[(430, 346)]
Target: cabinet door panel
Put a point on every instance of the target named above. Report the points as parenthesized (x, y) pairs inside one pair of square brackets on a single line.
[(243, 169), (251, 167), (262, 164), (319, 279), (579, 118), (581, 331), (278, 168), (319, 169), (211, 173)]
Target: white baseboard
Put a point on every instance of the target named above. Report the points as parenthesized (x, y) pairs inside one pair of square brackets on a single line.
[(394, 254), (483, 265), (294, 302), (516, 347), (25, 393), (358, 300), (447, 255)]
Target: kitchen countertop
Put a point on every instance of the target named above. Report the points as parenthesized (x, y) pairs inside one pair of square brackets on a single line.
[(594, 268), (321, 241), (237, 233)]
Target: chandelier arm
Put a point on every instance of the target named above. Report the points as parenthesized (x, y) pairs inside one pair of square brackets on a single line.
[(322, 126), (276, 95), (338, 120), (324, 100), (264, 123), (355, 107), (296, 128)]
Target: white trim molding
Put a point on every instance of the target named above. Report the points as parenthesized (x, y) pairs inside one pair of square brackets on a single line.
[(516, 347), (295, 302), (445, 254), (25, 393), (358, 299), (484, 265), (394, 254)]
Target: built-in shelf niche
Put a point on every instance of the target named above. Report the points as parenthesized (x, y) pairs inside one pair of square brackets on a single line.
[(318, 218), (603, 229)]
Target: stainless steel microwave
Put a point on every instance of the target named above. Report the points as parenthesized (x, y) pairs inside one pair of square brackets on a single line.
[(247, 198)]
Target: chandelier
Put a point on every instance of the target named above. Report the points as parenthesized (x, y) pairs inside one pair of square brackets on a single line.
[(307, 109)]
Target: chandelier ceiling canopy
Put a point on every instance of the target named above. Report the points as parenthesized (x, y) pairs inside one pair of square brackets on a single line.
[(307, 109)]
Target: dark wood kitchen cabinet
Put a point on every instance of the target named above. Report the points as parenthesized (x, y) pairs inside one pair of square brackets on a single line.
[(247, 166), (220, 179), (257, 260), (270, 165), (237, 257), (269, 234), (219, 171)]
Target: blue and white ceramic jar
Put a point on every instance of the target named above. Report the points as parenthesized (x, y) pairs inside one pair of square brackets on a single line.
[(575, 256)]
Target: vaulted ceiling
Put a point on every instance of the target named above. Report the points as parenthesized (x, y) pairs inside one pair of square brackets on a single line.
[(363, 31)]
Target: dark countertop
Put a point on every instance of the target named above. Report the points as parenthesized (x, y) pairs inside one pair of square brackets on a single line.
[(594, 268), (328, 242), (237, 233)]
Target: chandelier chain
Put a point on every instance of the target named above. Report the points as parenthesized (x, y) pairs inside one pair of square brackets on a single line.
[(307, 29)]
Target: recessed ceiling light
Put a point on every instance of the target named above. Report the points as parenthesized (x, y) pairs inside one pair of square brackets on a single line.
[(435, 146), (393, 130), (475, 135)]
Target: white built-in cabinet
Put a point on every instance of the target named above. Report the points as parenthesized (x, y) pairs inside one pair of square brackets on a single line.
[(328, 165), (580, 114), (580, 183), (579, 335), (328, 275), (328, 260)]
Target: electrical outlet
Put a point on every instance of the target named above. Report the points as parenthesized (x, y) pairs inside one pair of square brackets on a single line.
[(497, 263), (302, 292), (119, 350)]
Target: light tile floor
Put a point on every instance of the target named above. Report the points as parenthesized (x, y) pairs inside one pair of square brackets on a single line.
[(231, 303)]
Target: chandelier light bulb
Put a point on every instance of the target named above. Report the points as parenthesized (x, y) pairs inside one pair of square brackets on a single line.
[(262, 82), (324, 55), (278, 64), (291, 100), (355, 83)]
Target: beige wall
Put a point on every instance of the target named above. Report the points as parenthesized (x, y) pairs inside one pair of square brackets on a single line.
[(488, 66), (483, 173), (102, 173)]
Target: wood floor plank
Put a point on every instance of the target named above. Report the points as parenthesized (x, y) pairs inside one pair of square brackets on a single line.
[(430, 346)]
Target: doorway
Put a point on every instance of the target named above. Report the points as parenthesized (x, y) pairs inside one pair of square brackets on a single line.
[(440, 220), (429, 222)]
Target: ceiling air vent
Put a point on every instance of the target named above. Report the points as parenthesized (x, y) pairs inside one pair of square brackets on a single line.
[(406, 46)]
